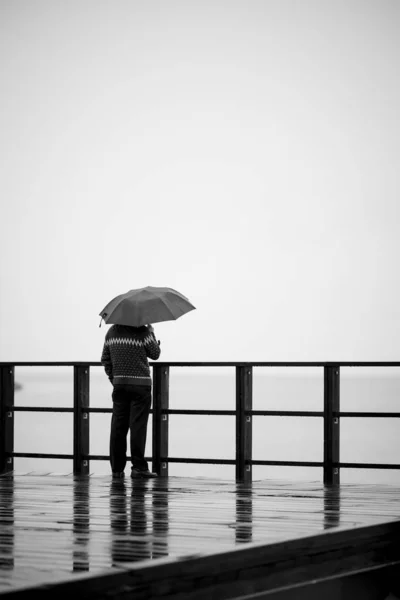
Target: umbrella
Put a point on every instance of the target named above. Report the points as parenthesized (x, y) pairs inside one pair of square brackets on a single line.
[(146, 305)]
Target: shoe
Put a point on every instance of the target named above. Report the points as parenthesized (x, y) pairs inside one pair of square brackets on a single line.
[(118, 475), (142, 474)]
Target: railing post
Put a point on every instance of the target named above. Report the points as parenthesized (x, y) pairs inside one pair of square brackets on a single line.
[(331, 424), (6, 419), (160, 421), (244, 429), (81, 420)]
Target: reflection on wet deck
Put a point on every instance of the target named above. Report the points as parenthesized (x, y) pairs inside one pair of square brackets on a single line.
[(55, 526)]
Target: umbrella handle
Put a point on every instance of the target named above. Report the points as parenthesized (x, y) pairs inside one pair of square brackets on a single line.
[(100, 321)]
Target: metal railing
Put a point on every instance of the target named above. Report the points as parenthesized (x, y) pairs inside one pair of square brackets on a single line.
[(160, 458)]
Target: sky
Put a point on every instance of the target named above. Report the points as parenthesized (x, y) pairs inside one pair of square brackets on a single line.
[(245, 153)]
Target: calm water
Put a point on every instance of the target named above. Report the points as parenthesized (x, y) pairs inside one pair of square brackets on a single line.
[(274, 438)]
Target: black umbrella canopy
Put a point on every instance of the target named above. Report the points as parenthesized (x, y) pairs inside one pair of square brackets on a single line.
[(146, 305)]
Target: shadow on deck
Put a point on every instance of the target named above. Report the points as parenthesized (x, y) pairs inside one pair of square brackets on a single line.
[(195, 538)]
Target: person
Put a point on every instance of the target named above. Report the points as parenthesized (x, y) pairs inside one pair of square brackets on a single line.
[(125, 360)]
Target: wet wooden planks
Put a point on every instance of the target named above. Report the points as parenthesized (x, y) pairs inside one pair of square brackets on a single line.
[(55, 527)]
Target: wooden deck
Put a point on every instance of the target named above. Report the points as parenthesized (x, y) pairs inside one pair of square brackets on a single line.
[(64, 528)]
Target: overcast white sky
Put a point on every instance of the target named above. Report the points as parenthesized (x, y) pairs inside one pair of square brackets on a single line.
[(243, 152)]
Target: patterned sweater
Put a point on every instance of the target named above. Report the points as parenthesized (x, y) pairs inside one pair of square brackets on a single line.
[(125, 354)]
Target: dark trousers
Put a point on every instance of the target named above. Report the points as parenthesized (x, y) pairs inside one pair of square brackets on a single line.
[(131, 408)]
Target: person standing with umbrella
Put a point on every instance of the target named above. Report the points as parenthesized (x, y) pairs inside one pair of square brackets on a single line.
[(125, 359), (128, 345)]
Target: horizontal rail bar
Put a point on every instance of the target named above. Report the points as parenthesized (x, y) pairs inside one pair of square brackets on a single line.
[(368, 466), (199, 461), (217, 461), (278, 364), (283, 463), (172, 411), (40, 455), (103, 457), (278, 413), (369, 415), (220, 461), (66, 456), (223, 461), (106, 457), (212, 364), (255, 413), (285, 413), (287, 463), (40, 409), (56, 409), (51, 364)]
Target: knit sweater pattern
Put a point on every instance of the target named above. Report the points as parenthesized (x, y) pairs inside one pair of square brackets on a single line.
[(126, 352)]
